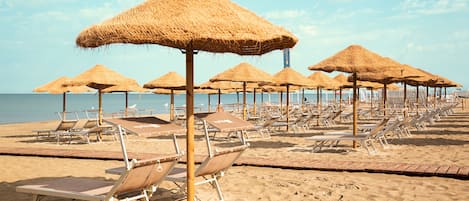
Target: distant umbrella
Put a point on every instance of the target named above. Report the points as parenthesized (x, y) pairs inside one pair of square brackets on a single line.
[(131, 87), (244, 73), (288, 77), (57, 87), (99, 77), (355, 59), (171, 81)]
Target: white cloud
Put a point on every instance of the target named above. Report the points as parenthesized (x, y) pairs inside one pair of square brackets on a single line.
[(285, 14), (426, 7), (309, 30)]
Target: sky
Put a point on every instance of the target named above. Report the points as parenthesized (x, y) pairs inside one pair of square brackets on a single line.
[(37, 38)]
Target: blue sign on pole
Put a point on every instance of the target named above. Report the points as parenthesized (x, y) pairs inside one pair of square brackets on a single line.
[(286, 57)]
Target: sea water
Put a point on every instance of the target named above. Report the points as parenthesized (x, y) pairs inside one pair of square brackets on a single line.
[(43, 107)]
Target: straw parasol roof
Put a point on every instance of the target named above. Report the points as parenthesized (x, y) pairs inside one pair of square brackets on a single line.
[(321, 80), (57, 87), (130, 87), (244, 72), (203, 23), (288, 76), (355, 58), (99, 77), (170, 80), (221, 85), (393, 87), (268, 88), (167, 91)]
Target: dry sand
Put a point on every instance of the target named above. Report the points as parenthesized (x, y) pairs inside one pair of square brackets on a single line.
[(444, 143)]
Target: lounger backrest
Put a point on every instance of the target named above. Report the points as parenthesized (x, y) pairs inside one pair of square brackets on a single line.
[(144, 174), (379, 127), (220, 161), (65, 125)]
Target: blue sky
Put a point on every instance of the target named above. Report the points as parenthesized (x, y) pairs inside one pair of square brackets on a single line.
[(37, 38)]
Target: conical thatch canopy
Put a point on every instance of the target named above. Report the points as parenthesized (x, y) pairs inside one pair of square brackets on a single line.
[(244, 72), (321, 80), (99, 77), (176, 23), (355, 58), (170, 80), (57, 87), (167, 91), (130, 87), (221, 85), (288, 76), (406, 73)]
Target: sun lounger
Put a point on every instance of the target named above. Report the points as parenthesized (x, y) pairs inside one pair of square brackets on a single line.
[(212, 168), (225, 122), (65, 124), (147, 126), (332, 139), (137, 181)]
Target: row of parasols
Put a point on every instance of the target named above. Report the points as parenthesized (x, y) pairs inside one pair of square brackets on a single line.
[(247, 77)]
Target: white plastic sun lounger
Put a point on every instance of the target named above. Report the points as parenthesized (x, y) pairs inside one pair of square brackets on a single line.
[(136, 182)]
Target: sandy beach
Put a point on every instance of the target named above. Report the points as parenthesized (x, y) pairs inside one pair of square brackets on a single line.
[(444, 143)]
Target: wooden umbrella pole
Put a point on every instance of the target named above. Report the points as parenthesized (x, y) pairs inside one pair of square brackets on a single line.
[(281, 103), (245, 110), (190, 123), (254, 107), (126, 103), (171, 106), (340, 99), (302, 97), (434, 97), (385, 93), (405, 99), (219, 100), (317, 105), (355, 115), (417, 100), (371, 102), (288, 104), (100, 108), (237, 98), (441, 93), (64, 103), (445, 92), (426, 100), (208, 107)]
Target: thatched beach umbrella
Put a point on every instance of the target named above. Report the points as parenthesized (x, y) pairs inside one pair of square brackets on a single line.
[(322, 81), (207, 25), (288, 77), (171, 81), (126, 88), (219, 86), (99, 77), (57, 87), (355, 59), (245, 73)]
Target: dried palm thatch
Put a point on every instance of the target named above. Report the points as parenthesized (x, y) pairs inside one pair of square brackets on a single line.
[(355, 59), (57, 87), (244, 72), (170, 80), (288, 76), (210, 25), (406, 73), (99, 77), (130, 87), (321, 80), (221, 85), (167, 91)]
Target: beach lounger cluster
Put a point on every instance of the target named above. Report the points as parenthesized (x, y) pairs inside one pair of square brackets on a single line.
[(137, 181)]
